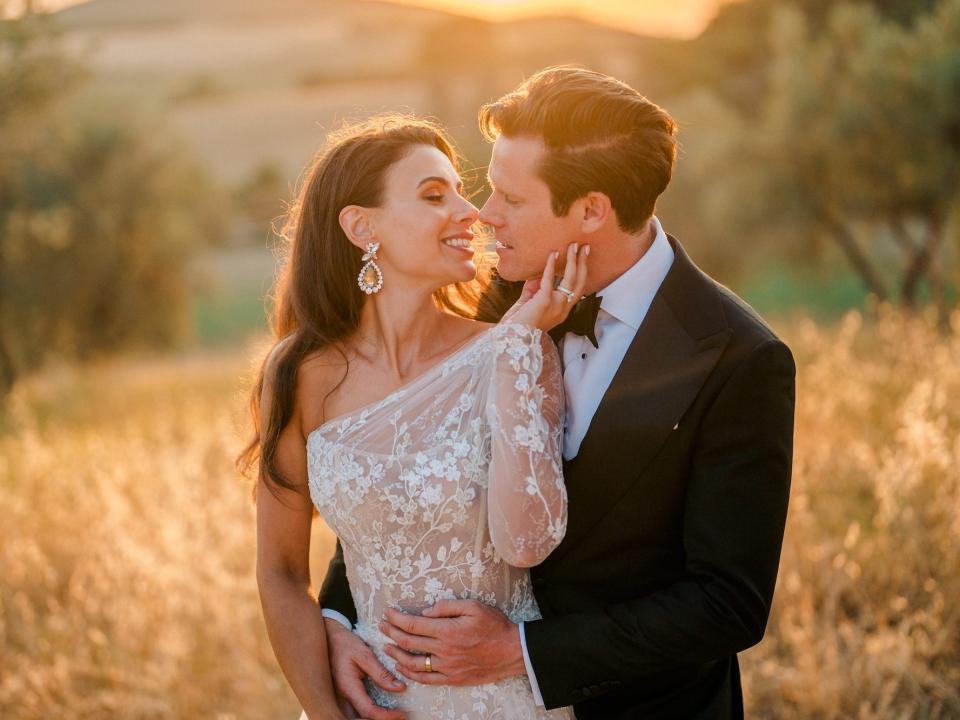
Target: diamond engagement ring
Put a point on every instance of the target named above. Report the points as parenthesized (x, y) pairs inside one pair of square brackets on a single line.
[(568, 293)]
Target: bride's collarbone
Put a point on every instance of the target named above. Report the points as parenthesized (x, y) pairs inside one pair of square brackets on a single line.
[(369, 363), (335, 382)]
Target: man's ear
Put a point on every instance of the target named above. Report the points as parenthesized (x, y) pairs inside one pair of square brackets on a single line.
[(595, 211), (357, 226)]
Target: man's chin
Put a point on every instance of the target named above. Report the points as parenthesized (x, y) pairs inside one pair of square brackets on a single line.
[(514, 274)]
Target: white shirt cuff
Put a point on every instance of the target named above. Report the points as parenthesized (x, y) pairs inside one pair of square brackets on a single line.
[(341, 618), (537, 697)]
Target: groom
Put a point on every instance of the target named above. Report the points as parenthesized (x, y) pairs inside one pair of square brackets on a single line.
[(677, 444)]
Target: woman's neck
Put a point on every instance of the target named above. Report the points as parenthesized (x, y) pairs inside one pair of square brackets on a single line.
[(401, 329)]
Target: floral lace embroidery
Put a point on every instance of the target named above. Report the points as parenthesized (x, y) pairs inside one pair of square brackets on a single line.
[(446, 488)]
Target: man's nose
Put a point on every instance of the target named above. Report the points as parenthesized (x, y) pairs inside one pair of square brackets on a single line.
[(488, 214)]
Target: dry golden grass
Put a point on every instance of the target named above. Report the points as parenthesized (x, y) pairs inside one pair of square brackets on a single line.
[(126, 549), (126, 540), (866, 620)]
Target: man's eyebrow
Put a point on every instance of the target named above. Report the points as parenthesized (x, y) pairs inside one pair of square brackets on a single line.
[(441, 180)]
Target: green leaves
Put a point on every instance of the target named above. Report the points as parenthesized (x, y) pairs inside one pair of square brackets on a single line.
[(99, 216)]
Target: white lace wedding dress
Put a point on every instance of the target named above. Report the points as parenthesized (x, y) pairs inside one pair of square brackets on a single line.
[(439, 490)]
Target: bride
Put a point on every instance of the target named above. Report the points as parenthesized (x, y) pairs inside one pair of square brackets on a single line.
[(427, 440)]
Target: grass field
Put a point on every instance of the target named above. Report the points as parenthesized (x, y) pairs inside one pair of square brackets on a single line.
[(126, 541)]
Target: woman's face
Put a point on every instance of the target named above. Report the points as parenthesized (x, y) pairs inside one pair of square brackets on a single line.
[(424, 223)]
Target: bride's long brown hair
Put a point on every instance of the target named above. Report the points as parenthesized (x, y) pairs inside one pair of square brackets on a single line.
[(316, 301)]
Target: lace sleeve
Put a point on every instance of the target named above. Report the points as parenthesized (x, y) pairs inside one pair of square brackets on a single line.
[(527, 510)]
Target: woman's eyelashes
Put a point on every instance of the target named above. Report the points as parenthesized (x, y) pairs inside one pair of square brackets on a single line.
[(435, 196)]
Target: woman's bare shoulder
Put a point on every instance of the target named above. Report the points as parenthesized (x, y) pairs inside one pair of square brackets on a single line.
[(317, 375), (321, 369)]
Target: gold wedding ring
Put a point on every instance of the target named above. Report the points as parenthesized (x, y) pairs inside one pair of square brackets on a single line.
[(427, 664)]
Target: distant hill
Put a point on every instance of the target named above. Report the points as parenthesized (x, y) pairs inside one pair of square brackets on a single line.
[(101, 14), (249, 82)]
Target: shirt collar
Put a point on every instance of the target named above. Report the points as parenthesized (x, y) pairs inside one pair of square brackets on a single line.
[(629, 296)]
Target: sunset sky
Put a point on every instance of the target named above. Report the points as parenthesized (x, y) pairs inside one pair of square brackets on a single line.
[(660, 17)]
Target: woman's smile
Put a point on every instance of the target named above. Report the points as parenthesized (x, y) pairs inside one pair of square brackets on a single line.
[(461, 241)]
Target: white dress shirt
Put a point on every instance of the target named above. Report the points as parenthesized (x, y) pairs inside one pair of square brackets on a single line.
[(588, 371)]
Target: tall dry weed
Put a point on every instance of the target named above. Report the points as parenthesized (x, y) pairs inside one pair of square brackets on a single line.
[(127, 550), (126, 540), (866, 619)]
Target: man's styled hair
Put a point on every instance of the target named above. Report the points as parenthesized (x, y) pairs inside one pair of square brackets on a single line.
[(600, 134)]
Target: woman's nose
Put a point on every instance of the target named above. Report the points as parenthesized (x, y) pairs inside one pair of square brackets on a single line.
[(468, 213)]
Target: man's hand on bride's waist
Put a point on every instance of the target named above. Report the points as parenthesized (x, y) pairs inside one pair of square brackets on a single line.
[(455, 642)]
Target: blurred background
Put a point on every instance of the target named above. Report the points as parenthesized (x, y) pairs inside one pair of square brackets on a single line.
[(147, 149)]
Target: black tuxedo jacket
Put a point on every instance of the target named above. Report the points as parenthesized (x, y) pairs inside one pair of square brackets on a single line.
[(677, 504)]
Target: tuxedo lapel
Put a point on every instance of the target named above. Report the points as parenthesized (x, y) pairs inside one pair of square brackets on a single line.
[(681, 338)]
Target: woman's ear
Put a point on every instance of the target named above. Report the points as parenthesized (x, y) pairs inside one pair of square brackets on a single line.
[(356, 225), (596, 211)]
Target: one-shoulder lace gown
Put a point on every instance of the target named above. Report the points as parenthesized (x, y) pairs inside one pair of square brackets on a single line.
[(441, 490)]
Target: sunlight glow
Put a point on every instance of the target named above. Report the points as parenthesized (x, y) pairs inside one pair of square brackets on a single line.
[(679, 18)]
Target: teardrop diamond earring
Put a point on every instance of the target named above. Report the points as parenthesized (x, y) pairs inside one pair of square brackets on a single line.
[(370, 278)]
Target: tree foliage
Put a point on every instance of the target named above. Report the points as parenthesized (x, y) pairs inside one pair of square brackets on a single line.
[(856, 145), (99, 215), (732, 56)]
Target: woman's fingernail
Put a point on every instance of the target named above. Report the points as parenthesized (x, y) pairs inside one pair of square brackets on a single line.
[(586, 250), (576, 247)]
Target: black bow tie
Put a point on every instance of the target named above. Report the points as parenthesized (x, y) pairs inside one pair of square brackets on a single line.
[(582, 320)]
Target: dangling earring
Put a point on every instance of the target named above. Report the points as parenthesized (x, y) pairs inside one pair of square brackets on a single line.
[(370, 279)]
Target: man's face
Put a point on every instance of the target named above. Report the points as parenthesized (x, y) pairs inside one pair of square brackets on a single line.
[(519, 210)]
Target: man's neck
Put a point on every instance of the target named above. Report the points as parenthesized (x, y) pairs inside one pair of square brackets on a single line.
[(612, 256)]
